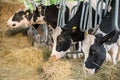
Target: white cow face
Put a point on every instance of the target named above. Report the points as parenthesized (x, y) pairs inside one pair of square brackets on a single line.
[(61, 43), (19, 19)]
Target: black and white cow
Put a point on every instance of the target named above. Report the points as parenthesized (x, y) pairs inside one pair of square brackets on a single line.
[(48, 14), (45, 14), (75, 36), (98, 50), (25, 18), (63, 37), (102, 44)]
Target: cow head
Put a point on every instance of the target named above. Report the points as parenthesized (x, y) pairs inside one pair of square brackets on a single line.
[(63, 38), (24, 18), (18, 19), (97, 52), (61, 44)]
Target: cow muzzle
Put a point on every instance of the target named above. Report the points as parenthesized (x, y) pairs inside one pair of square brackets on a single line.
[(53, 58), (7, 24), (89, 71)]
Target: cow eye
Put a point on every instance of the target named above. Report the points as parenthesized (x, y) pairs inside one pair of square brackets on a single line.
[(93, 52), (61, 39), (13, 24)]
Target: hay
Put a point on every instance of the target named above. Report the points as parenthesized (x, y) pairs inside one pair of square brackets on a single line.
[(21, 64), (107, 72), (63, 70), (7, 10), (20, 61), (9, 0)]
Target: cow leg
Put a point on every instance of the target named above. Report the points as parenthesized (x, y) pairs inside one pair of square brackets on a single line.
[(108, 57), (118, 42), (114, 52), (118, 56)]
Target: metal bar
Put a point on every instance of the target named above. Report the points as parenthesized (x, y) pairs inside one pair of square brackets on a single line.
[(82, 15), (106, 7), (74, 9), (116, 14), (45, 32), (90, 13), (74, 52), (61, 13), (96, 15), (33, 4), (86, 18), (101, 11)]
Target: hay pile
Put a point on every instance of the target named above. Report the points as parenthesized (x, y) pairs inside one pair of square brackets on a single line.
[(21, 64), (7, 9), (63, 70), (20, 61)]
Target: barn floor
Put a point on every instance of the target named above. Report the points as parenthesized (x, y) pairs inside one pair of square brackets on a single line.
[(20, 61)]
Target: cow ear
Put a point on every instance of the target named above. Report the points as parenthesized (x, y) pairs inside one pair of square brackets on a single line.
[(108, 37), (36, 9), (66, 29), (20, 9), (57, 31)]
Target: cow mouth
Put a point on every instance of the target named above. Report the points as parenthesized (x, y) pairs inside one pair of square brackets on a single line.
[(53, 58), (89, 71)]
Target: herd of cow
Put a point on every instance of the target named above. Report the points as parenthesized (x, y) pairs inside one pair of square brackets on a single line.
[(98, 47)]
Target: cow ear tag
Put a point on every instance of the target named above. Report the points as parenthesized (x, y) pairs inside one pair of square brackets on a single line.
[(86, 33), (74, 28), (27, 13), (109, 39)]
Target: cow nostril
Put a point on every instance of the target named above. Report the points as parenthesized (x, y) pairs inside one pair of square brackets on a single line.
[(13, 24)]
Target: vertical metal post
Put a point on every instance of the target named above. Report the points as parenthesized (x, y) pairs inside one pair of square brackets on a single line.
[(82, 15), (74, 9), (45, 32), (116, 14), (101, 11), (33, 4), (106, 6), (90, 14), (61, 13)]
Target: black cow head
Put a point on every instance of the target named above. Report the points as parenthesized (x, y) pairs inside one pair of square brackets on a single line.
[(97, 52), (24, 18), (63, 38), (61, 43)]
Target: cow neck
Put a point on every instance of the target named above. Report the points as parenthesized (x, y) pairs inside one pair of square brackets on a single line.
[(45, 11), (73, 26), (75, 21)]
